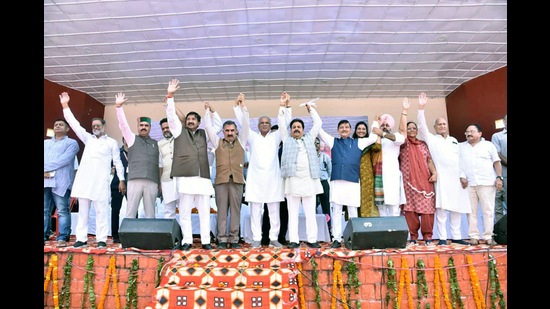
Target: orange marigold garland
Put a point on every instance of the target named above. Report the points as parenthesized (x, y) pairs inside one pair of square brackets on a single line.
[(405, 269), (337, 281), (478, 293), (111, 272), (440, 285), (51, 274), (301, 286)]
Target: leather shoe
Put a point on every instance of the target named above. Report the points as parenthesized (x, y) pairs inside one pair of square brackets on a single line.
[(293, 245), (235, 245), (313, 244), (336, 244), (222, 245), (185, 247), (207, 247)]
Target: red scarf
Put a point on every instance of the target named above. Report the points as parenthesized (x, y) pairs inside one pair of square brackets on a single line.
[(419, 173)]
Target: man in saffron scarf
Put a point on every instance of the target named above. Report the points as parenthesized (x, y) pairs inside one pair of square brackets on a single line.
[(419, 175)]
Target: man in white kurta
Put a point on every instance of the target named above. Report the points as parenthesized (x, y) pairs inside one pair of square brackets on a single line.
[(451, 199), (392, 181), (92, 181), (170, 196), (264, 183), (343, 191), (301, 174)]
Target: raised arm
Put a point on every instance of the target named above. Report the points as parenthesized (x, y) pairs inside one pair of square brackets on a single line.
[(210, 132), (423, 132), (130, 137), (174, 122), (404, 113), (317, 121), (71, 119), (283, 117)]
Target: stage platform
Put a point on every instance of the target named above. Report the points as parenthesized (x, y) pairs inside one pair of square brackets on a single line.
[(450, 273)]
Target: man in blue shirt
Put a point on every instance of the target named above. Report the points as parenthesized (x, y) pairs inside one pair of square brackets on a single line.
[(59, 157)]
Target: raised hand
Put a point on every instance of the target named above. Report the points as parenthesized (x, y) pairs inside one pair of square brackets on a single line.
[(240, 99), (285, 99), (64, 98), (173, 86), (120, 99), (406, 104), (422, 99), (208, 106)]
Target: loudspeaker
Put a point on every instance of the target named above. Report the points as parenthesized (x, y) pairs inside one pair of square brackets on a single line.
[(500, 230), (150, 233), (376, 233)]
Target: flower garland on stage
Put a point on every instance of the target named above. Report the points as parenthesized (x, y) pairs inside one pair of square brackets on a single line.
[(478, 294), (51, 274), (455, 288), (315, 278), (337, 281), (422, 285), (440, 285), (495, 285), (301, 286), (353, 282), (89, 283), (131, 291), (404, 278), (111, 272), (391, 285)]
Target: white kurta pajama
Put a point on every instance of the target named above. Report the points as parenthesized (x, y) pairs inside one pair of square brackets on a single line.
[(391, 176), (264, 183), (92, 180), (449, 195), (170, 196)]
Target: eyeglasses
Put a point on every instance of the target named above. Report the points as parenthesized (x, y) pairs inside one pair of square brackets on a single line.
[(470, 132)]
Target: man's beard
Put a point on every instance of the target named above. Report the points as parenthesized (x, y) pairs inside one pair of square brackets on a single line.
[(97, 132), (168, 134)]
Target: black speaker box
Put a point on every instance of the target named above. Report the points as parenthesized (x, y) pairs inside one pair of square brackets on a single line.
[(500, 230), (376, 233), (150, 233)]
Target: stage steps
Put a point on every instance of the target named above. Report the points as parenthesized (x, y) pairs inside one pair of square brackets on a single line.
[(230, 278)]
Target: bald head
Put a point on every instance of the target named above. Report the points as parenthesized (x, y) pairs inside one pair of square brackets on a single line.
[(441, 127)]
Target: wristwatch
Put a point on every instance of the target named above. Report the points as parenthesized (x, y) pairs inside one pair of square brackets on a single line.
[(500, 177)]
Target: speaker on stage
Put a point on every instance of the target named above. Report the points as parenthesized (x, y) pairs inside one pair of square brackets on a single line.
[(150, 233), (376, 233), (500, 230)]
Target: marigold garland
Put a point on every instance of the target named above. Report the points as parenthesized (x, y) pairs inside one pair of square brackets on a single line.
[(111, 272), (478, 293), (301, 286), (495, 285), (440, 284), (455, 287), (404, 278), (334, 283), (51, 274), (337, 281)]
